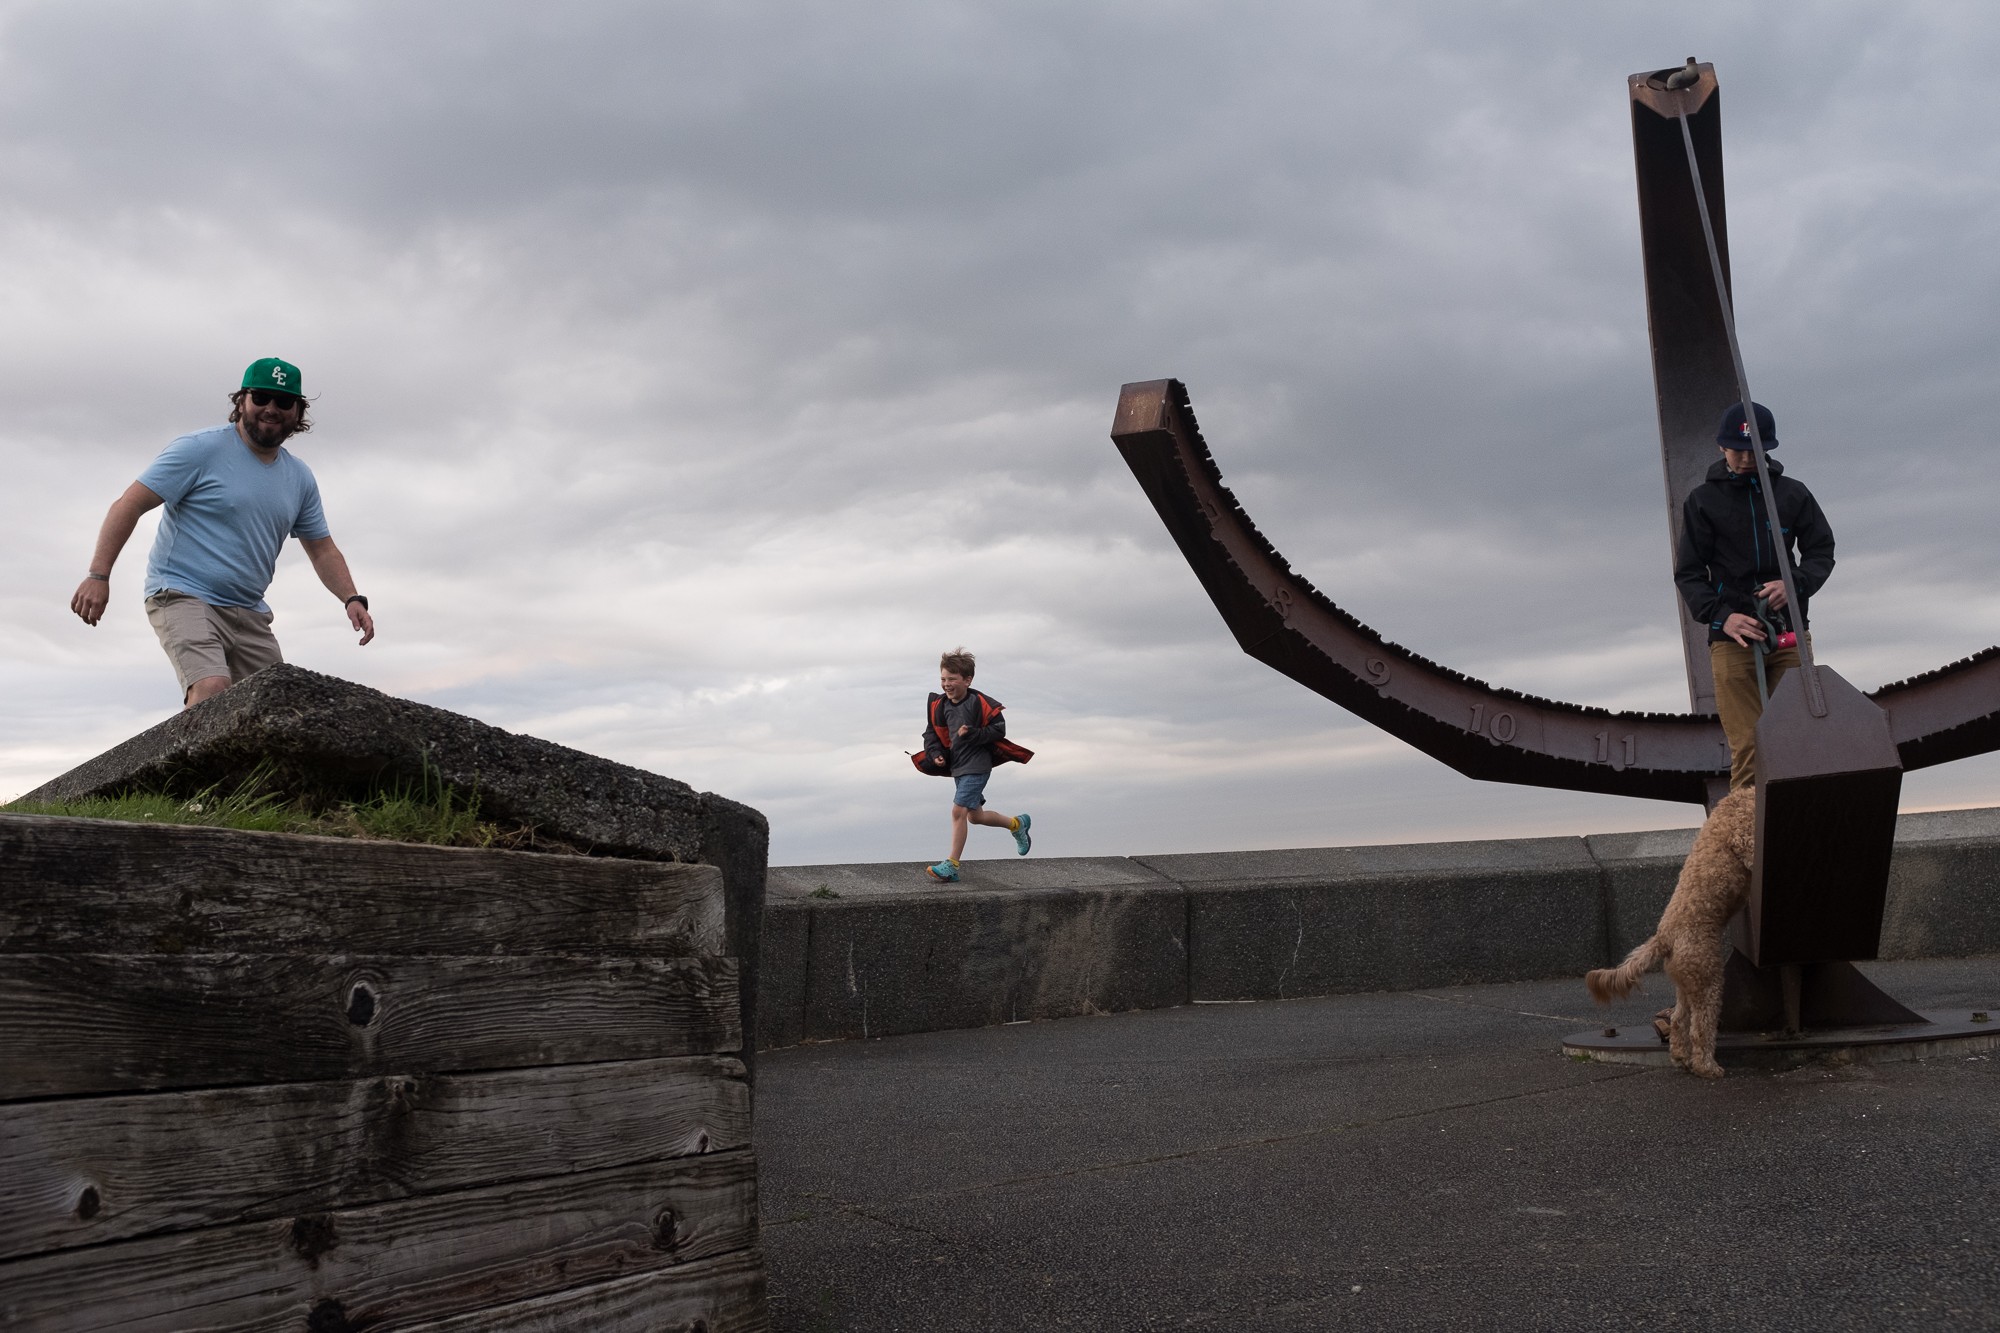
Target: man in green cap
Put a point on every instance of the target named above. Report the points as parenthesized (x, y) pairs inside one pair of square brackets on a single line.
[(233, 494)]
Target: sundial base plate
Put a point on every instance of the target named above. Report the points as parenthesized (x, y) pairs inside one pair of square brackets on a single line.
[(1947, 1034)]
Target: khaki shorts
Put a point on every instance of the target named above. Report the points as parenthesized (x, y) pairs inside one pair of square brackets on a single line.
[(203, 640)]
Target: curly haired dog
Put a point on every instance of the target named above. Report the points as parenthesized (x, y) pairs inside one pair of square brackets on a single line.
[(1714, 885)]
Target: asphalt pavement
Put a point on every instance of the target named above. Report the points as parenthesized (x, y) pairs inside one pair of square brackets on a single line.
[(1400, 1160)]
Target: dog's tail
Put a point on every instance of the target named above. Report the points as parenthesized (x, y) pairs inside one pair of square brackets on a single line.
[(1615, 983)]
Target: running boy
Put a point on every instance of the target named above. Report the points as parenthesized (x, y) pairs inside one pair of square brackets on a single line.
[(965, 738)]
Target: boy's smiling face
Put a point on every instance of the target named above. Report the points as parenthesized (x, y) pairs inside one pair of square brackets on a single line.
[(954, 685)]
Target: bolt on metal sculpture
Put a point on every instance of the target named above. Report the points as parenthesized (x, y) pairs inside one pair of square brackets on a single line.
[(1830, 759)]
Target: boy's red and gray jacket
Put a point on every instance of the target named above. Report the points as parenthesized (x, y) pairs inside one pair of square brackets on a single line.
[(992, 732)]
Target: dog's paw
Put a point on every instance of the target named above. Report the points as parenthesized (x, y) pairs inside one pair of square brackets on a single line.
[(1708, 1070)]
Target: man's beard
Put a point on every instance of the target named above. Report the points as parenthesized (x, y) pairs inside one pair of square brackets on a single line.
[(266, 436)]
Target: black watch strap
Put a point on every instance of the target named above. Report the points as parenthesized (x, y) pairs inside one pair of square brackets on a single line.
[(358, 598)]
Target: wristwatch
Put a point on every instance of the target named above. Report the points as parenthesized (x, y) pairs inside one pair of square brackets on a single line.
[(358, 598)]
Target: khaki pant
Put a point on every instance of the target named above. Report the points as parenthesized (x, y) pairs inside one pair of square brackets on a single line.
[(203, 640), (1735, 669)]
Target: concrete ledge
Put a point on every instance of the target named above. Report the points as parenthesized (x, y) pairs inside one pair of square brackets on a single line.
[(1944, 886), (1328, 920), (1639, 874), (872, 950), (896, 952)]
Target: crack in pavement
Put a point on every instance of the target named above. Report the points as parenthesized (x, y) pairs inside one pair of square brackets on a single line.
[(861, 1210), (1498, 1009), (1555, 1268)]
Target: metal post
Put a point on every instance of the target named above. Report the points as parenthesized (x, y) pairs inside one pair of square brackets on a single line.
[(1815, 697)]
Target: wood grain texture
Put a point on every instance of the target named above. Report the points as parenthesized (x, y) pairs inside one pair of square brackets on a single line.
[(103, 886), (396, 1264), (724, 1295), (81, 1023), (90, 1170)]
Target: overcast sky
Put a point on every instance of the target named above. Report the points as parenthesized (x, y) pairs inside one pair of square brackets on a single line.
[(688, 376)]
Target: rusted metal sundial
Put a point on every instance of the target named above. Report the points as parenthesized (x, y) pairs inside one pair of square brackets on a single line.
[(1830, 758)]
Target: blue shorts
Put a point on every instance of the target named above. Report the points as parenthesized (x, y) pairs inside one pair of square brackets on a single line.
[(970, 790)]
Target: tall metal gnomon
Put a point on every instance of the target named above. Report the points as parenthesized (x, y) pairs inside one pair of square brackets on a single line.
[(1830, 760), (1684, 79)]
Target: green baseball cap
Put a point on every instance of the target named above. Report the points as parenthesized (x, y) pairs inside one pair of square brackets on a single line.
[(271, 373)]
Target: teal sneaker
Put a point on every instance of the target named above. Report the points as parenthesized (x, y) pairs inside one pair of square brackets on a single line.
[(1022, 842), (944, 872)]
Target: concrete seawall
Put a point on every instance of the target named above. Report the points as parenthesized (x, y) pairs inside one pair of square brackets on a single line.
[(1026, 939)]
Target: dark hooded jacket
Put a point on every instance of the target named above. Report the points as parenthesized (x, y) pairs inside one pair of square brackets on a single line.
[(1726, 552)]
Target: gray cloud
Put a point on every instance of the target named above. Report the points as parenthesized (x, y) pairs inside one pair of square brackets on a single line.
[(689, 375)]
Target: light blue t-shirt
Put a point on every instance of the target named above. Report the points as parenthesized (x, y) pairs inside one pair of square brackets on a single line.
[(227, 516)]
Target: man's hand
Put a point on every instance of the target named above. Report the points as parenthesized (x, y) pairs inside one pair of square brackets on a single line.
[(1738, 625), (1774, 593), (92, 596), (965, 730), (331, 566)]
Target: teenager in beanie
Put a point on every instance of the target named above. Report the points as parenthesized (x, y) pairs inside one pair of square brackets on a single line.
[(1728, 559)]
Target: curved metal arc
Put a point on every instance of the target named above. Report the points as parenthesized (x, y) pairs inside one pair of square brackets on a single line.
[(1946, 714), (1278, 617), (1483, 731)]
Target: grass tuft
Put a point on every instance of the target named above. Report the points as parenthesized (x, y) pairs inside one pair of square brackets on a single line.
[(426, 810)]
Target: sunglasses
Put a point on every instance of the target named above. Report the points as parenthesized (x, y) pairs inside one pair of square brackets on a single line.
[(265, 397)]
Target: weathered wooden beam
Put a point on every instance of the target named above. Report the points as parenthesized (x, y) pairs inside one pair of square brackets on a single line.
[(79, 1023), (724, 1295), (96, 1169), (395, 1264), (104, 886)]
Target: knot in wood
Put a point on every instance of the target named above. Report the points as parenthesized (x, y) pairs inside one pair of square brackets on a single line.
[(666, 1230), (361, 1005), (329, 1316), (312, 1236), (88, 1204)]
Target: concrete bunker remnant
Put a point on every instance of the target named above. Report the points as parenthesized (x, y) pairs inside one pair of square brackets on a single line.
[(357, 1083)]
